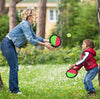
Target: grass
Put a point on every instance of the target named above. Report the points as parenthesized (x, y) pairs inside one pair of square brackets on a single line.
[(47, 82)]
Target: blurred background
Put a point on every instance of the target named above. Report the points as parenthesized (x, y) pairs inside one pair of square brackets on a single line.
[(72, 20)]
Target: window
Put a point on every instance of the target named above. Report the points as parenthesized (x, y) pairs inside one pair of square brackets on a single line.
[(53, 13)]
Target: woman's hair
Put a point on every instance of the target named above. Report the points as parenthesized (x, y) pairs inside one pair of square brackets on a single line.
[(89, 43), (26, 13)]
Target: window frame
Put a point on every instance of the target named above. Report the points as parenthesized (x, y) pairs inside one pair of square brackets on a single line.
[(55, 15)]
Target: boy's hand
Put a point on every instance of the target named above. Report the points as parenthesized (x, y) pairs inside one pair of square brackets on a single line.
[(72, 65)]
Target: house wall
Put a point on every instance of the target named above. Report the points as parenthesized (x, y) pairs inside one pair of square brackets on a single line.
[(49, 25)]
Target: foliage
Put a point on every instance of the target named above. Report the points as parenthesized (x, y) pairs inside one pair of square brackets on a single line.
[(98, 56), (31, 56), (48, 57), (4, 26), (3, 61), (4, 22), (79, 19)]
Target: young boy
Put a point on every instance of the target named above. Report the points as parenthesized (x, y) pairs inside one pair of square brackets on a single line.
[(88, 61)]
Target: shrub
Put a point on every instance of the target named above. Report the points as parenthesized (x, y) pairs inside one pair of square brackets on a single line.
[(3, 61), (31, 56), (98, 56), (4, 26), (79, 19)]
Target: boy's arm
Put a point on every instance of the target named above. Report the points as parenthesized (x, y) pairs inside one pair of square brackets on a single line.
[(83, 59), (79, 64), (76, 67), (72, 66)]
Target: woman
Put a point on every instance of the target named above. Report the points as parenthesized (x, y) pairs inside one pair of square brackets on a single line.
[(22, 33)]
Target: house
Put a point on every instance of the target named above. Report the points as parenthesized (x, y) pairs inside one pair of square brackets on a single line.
[(51, 12), (89, 1)]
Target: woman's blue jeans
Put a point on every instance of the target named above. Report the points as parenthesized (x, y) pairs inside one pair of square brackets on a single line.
[(9, 51), (90, 75)]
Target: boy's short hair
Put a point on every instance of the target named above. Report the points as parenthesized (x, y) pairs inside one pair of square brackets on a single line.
[(89, 43)]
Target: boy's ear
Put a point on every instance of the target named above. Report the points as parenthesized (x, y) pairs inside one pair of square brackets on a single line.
[(88, 47)]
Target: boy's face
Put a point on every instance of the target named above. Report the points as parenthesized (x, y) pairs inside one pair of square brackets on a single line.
[(84, 46)]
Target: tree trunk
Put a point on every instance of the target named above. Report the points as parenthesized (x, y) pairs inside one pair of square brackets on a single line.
[(12, 14), (4, 10), (98, 12), (59, 21), (2, 7), (17, 1), (41, 20), (1, 83)]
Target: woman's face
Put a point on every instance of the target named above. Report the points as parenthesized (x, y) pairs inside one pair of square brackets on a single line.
[(32, 19)]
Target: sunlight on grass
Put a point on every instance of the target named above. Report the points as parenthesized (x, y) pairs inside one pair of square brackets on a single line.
[(46, 82)]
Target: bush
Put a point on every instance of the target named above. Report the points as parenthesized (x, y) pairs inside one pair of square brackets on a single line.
[(58, 56), (98, 56), (4, 26), (31, 56), (79, 19), (3, 61)]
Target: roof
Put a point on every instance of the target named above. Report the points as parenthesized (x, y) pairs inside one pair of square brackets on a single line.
[(36, 0), (27, 3)]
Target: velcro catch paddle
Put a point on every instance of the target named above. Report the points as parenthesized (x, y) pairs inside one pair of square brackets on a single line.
[(71, 73), (55, 40)]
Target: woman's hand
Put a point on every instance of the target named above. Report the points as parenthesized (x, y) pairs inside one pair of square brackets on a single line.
[(46, 40), (48, 45), (71, 67)]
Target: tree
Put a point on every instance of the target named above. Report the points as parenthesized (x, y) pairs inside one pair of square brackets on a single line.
[(98, 12), (12, 14), (59, 21), (41, 19), (80, 20), (3, 9), (2, 6)]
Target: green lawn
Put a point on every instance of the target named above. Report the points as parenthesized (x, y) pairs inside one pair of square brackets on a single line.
[(47, 82)]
